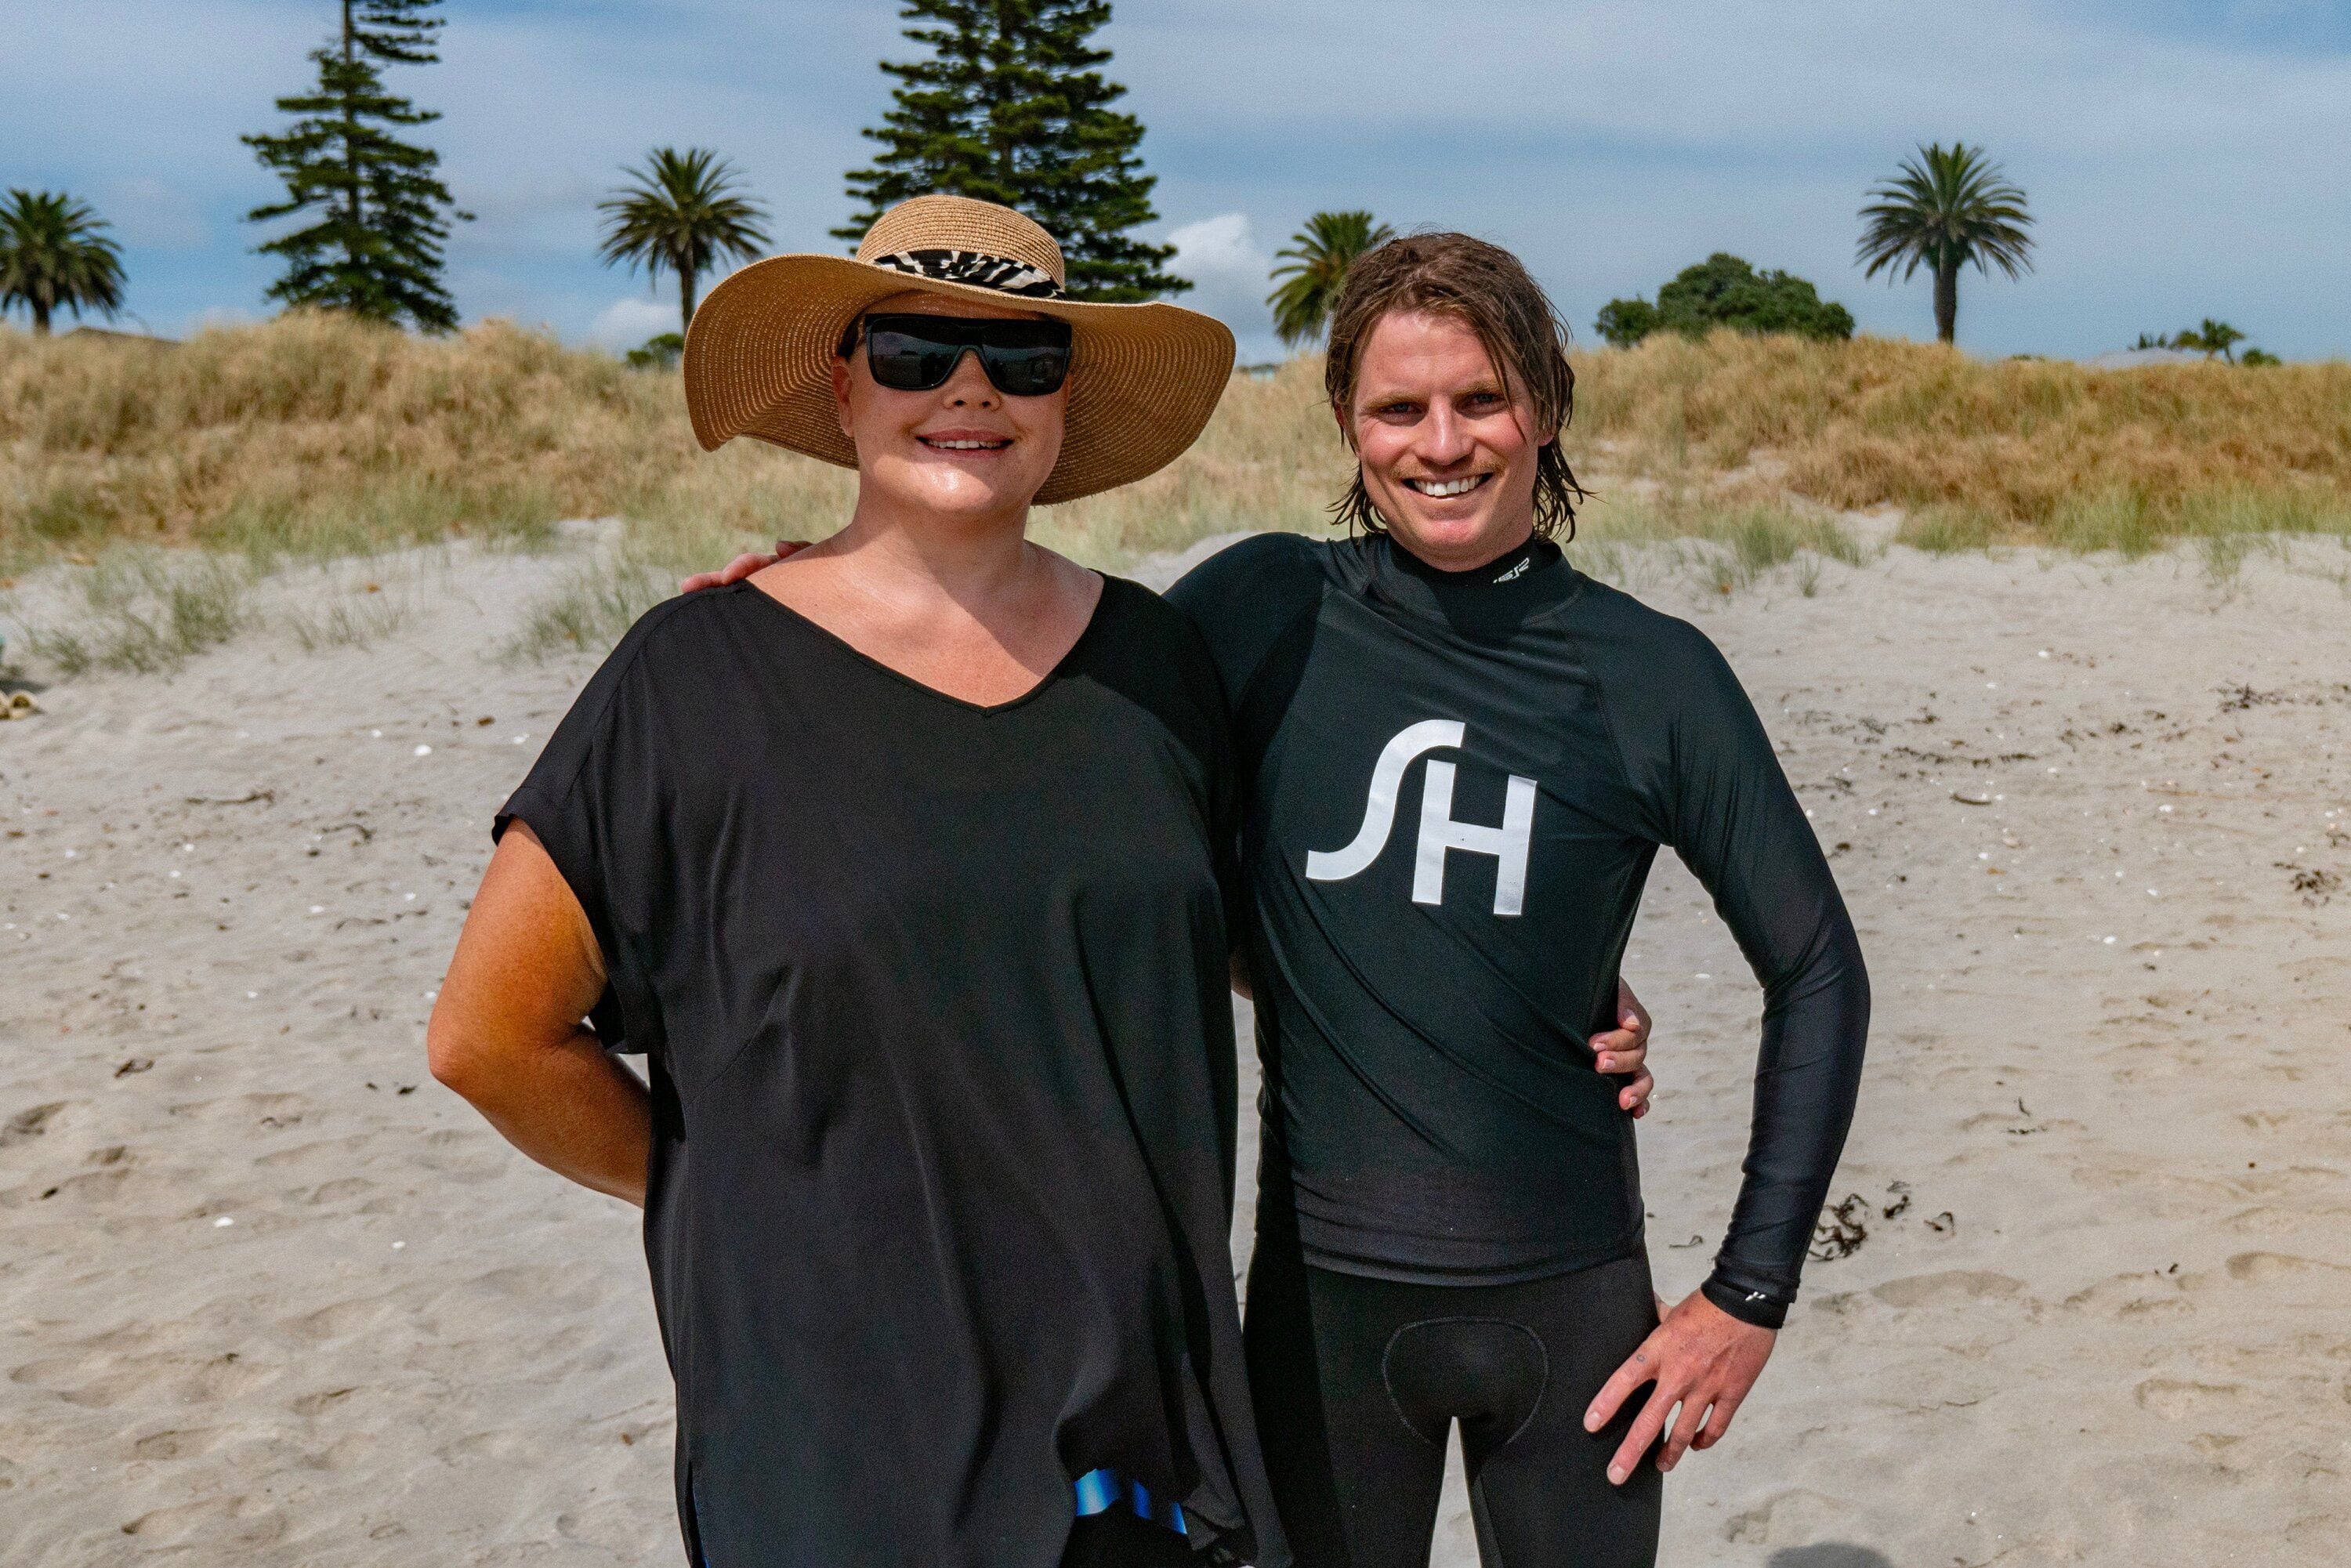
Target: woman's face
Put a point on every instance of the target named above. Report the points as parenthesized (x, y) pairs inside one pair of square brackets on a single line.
[(1445, 441), (963, 449)]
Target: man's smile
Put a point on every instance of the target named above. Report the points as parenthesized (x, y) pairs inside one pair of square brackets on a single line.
[(1446, 488)]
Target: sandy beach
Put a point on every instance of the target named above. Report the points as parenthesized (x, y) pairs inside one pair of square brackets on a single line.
[(273, 1297)]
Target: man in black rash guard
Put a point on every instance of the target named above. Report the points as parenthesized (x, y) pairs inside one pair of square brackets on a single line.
[(1455, 781)]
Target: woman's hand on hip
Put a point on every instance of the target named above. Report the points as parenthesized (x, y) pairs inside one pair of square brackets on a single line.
[(1626, 1049)]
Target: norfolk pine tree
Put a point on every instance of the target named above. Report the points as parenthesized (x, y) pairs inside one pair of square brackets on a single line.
[(1010, 107), (378, 210)]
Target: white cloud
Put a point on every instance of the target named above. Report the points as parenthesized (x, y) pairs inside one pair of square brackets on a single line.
[(1217, 247), (625, 323), (1229, 271)]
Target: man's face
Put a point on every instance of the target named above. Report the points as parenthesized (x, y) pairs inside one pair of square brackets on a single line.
[(1445, 441)]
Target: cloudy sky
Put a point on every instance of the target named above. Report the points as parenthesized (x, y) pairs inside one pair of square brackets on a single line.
[(2184, 159)]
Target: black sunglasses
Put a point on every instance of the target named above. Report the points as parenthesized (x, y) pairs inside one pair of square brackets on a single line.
[(918, 353)]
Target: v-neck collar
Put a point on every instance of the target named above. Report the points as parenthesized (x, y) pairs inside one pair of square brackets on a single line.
[(984, 710)]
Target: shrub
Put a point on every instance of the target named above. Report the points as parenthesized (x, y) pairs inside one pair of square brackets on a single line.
[(658, 353), (1723, 290)]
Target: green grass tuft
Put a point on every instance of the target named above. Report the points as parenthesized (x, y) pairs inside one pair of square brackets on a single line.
[(147, 612)]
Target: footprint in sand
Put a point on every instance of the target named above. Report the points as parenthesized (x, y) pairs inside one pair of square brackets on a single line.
[(348, 1320), (1789, 1517), (2259, 1267), (321, 1402), (1951, 1287), (32, 1122), (2175, 1400), (214, 1521), (2266, 1220), (184, 1443)]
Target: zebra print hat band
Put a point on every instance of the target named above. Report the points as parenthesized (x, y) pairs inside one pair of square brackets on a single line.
[(976, 268)]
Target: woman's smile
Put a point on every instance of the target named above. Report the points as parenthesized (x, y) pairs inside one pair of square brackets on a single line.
[(964, 441)]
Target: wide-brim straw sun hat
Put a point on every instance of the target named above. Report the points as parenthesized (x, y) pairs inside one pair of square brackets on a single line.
[(758, 355)]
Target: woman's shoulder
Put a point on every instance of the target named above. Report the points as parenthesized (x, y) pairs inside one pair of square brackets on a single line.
[(679, 637), (688, 628)]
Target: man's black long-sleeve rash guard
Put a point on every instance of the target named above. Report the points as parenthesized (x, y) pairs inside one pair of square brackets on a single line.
[(1455, 784)]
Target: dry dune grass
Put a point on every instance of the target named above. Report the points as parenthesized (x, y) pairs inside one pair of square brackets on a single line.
[(312, 436), (309, 434), (2023, 451)]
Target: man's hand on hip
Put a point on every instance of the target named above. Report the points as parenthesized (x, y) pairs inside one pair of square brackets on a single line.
[(1703, 1361)]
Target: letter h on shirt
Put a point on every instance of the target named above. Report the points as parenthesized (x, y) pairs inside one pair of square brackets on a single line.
[(1439, 832)]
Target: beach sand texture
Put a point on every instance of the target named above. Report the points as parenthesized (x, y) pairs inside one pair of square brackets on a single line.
[(273, 1297)]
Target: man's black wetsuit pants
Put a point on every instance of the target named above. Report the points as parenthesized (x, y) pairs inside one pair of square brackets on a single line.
[(1356, 1382)]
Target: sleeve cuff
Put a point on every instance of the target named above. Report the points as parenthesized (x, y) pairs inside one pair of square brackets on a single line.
[(1748, 1306)]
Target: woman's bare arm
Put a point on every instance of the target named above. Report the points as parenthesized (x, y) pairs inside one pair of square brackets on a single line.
[(507, 1034)]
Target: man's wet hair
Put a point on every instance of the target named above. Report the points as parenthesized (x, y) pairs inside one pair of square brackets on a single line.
[(1491, 292)]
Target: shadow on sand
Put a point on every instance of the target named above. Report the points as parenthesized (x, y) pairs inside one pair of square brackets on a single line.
[(1830, 1554)]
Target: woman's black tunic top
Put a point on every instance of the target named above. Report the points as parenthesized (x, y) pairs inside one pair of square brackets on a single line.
[(933, 1001)]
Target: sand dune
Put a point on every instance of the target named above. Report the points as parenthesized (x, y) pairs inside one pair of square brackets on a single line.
[(276, 1298)]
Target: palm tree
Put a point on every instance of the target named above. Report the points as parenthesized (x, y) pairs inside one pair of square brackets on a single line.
[(52, 254), (1946, 209), (682, 214), (1318, 259)]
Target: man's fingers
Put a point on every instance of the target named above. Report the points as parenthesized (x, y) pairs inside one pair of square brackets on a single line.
[(735, 570), (744, 565), (1635, 1096), (1639, 1367), (1688, 1420), (1637, 1442), (1718, 1422)]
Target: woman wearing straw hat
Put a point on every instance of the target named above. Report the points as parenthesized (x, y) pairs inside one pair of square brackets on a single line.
[(939, 1248)]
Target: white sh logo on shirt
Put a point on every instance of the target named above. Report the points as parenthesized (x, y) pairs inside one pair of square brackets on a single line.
[(1438, 830)]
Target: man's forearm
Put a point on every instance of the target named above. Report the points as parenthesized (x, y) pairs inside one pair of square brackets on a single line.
[(575, 1110), (1807, 1081)]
